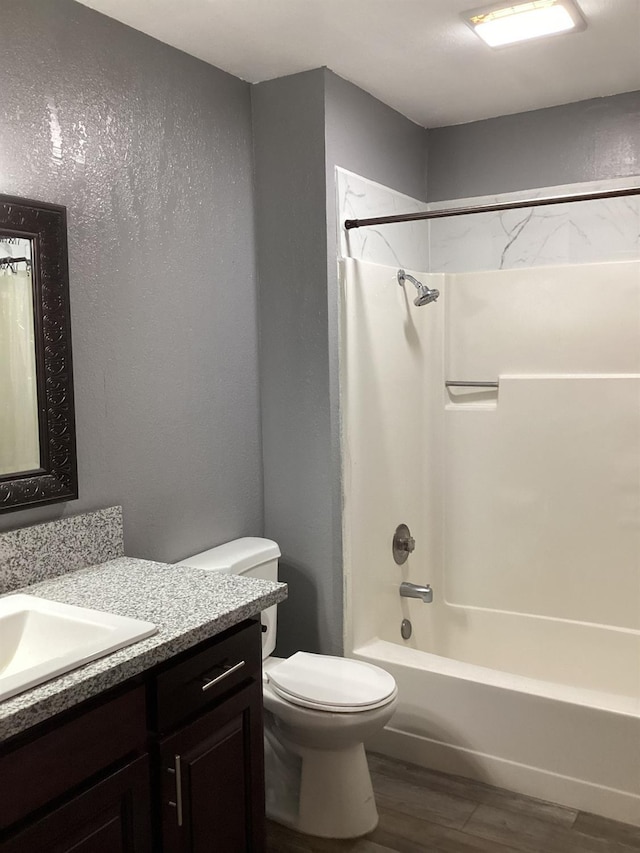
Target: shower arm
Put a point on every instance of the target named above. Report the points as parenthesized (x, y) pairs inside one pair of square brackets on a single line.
[(404, 276)]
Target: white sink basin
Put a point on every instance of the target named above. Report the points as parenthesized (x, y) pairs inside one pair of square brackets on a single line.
[(40, 639)]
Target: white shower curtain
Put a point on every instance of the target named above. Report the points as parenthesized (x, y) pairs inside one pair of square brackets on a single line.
[(19, 441)]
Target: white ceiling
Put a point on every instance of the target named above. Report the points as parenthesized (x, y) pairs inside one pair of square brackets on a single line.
[(415, 55)]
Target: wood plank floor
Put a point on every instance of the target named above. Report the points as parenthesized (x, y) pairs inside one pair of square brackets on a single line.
[(421, 810)]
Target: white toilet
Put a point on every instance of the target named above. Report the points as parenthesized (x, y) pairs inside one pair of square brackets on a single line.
[(318, 712)]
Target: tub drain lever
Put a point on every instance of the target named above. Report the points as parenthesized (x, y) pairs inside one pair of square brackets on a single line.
[(416, 590)]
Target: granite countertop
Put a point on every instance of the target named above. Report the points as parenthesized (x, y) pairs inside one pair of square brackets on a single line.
[(188, 605)]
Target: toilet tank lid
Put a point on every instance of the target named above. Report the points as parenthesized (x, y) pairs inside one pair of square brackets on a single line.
[(235, 557)]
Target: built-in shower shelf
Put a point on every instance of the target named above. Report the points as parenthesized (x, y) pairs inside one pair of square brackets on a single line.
[(472, 394), (455, 384)]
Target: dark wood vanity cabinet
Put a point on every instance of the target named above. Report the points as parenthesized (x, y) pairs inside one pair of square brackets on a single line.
[(212, 791), (210, 744), (80, 783), (111, 816), (172, 763)]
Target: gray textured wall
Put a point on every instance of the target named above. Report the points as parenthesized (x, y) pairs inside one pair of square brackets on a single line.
[(586, 141), (373, 140), (305, 125), (288, 117), (150, 150)]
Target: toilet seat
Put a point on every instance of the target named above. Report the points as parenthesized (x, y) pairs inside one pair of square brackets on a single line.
[(325, 683)]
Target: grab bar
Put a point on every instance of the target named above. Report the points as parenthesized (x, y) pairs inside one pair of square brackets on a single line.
[(450, 384)]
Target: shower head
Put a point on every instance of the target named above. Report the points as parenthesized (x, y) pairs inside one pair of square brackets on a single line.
[(425, 294)]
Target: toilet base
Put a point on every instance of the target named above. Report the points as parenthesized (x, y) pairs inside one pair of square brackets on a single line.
[(335, 796)]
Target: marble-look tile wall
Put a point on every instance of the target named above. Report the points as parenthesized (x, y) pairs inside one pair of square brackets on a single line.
[(582, 232), (403, 245), (43, 551)]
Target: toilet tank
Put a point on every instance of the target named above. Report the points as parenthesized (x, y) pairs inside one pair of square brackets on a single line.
[(252, 557)]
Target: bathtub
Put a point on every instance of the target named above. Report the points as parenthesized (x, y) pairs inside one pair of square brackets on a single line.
[(524, 672), (570, 745)]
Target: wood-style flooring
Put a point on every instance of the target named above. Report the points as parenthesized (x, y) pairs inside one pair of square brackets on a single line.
[(421, 810)]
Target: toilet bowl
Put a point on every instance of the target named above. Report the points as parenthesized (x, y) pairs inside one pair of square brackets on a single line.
[(318, 711)]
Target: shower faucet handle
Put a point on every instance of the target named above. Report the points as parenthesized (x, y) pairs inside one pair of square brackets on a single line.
[(403, 544), (407, 544)]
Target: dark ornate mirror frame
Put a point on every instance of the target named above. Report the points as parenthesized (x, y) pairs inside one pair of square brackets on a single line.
[(56, 479)]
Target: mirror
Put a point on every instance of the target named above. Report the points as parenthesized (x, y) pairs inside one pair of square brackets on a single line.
[(19, 433), (37, 423)]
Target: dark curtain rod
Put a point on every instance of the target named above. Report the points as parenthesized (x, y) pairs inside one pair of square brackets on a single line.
[(6, 262), (490, 208)]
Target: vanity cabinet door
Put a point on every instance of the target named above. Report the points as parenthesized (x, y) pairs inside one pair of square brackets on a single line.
[(110, 817), (213, 780)]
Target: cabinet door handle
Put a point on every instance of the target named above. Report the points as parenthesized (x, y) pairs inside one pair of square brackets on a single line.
[(178, 802), (227, 672)]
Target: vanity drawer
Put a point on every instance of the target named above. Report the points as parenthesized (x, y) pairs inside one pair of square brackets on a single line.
[(204, 676), (52, 764)]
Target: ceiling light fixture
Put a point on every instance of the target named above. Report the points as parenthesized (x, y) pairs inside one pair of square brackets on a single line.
[(502, 25)]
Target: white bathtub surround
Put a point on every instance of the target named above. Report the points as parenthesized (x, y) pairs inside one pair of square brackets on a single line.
[(525, 505), (389, 430), (542, 491)]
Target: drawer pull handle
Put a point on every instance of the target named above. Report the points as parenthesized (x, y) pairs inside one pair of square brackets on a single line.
[(227, 672)]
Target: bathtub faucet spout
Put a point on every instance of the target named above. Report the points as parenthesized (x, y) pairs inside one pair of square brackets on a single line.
[(416, 590)]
